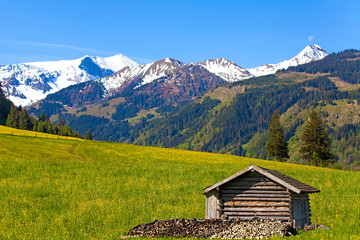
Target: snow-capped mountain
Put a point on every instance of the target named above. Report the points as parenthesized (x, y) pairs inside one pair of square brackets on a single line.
[(227, 70), (164, 82), (26, 83), (140, 74), (308, 54), (143, 74)]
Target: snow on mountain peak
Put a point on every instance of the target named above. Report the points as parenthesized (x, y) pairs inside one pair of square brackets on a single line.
[(308, 54), (311, 53), (226, 69), (141, 74), (114, 63), (172, 61), (26, 83)]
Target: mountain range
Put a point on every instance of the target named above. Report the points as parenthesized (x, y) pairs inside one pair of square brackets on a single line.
[(27, 83), (216, 105), (234, 118)]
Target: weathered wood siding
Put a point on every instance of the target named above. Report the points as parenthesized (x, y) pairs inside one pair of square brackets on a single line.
[(301, 209), (253, 196), (212, 201)]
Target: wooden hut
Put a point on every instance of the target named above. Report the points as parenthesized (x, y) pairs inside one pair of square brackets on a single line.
[(260, 193)]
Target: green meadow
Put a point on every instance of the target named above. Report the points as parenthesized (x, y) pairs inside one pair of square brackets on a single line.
[(54, 188)]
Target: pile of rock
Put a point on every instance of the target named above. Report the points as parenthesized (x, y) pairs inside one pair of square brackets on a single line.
[(212, 228)]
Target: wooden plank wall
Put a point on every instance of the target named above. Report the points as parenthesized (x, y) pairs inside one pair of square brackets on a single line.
[(301, 209), (212, 201), (253, 196)]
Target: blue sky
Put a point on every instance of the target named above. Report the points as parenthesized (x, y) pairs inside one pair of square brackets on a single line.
[(249, 33)]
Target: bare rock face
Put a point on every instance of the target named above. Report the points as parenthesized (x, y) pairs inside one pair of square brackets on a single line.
[(212, 228)]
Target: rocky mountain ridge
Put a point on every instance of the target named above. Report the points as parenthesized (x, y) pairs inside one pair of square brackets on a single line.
[(27, 83), (308, 54)]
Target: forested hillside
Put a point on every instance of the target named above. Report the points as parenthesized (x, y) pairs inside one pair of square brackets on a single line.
[(239, 124), (5, 106), (112, 115), (232, 118), (18, 117)]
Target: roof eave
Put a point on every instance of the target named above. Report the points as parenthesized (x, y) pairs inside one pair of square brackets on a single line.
[(278, 180), (263, 172), (209, 189), (314, 191)]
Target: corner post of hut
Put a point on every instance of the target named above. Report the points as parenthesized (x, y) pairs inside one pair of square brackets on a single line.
[(212, 203)]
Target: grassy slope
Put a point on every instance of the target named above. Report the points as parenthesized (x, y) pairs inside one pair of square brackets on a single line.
[(67, 189), (18, 132)]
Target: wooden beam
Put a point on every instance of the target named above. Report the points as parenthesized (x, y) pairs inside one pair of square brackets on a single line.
[(262, 195), (208, 189), (275, 214), (226, 191), (227, 209), (267, 187), (276, 179), (263, 183), (252, 204), (255, 199), (251, 179), (229, 195)]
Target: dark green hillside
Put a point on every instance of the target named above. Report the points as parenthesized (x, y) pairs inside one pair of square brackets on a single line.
[(178, 127), (345, 64), (18, 117), (239, 124), (86, 105), (231, 118), (5, 106)]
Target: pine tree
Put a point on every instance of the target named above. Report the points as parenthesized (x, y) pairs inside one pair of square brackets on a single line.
[(47, 126), (315, 143), (89, 135), (53, 128), (40, 127), (13, 117), (35, 124), (44, 117), (10, 117), (277, 146), (25, 121), (61, 123), (5, 106)]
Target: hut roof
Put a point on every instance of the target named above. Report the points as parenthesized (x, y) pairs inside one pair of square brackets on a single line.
[(282, 179)]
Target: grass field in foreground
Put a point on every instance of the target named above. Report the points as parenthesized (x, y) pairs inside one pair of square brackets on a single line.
[(66, 189)]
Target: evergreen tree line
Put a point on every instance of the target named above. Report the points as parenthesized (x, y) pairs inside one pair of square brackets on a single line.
[(20, 119), (5, 106), (315, 143), (343, 62), (199, 126)]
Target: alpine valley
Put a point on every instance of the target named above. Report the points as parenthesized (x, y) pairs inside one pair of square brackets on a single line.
[(214, 105)]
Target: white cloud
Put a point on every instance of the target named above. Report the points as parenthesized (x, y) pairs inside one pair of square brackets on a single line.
[(311, 37), (11, 58), (141, 60), (57, 45)]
